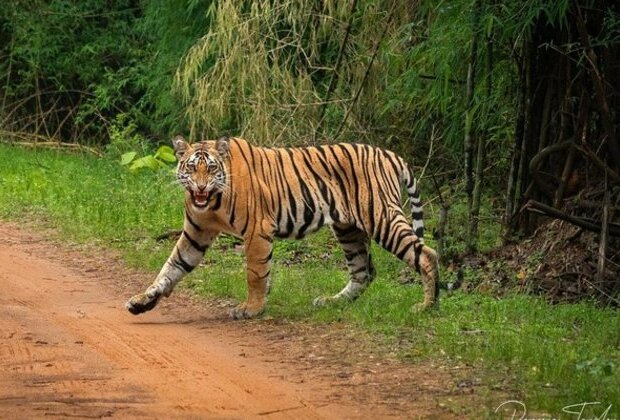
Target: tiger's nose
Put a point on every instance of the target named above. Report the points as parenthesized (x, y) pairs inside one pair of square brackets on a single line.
[(201, 188)]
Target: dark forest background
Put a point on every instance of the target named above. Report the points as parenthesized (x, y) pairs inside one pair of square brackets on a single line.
[(510, 106)]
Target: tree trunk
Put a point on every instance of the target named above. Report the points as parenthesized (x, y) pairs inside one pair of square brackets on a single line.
[(522, 178), (481, 154), (511, 188), (469, 141)]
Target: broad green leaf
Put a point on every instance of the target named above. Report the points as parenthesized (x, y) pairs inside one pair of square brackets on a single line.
[(145, 162), (127, 158), (165, 153), (165, 149), (137, 164), (151, 163), (166, 157)]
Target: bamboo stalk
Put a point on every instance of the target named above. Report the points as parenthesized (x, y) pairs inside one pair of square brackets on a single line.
[(481, 155), (598, 83), (469, 140), (516, 152), (442, 221), (602, 246), (521, 172), (334, 79), (370, 63)]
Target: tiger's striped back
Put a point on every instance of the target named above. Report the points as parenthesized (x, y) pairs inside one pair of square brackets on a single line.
[(304, 188)]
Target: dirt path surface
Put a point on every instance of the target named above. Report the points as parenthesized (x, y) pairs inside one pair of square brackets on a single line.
[(69, 349)]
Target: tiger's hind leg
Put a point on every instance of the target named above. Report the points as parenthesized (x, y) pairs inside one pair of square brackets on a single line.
[(400, 239), (356, 246)]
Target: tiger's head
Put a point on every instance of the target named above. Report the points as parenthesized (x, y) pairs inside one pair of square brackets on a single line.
[(202, 169)]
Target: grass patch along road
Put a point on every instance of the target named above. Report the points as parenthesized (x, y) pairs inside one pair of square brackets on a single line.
[(546, 356)]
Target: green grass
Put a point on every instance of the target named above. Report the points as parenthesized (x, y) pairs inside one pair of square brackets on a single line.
[(547, 356)]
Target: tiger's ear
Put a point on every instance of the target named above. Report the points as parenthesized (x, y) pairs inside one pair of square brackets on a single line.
[(221, 145), (180, 146)]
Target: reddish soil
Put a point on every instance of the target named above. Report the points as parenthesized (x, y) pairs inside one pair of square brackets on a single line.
[(68, 348)]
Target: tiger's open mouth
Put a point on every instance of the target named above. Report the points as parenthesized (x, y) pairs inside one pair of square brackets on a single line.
[(200, 199)]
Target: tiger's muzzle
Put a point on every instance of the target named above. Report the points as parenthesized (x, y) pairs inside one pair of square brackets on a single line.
[(200, 199)]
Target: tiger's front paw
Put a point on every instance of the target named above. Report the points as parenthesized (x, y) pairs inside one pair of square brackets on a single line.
[(323, 301), (142, 303), (333, 301), (246, 310)]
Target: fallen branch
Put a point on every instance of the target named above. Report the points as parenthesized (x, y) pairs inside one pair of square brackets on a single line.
[(537, 161), (587, 224), (37, 140), (613, 175)]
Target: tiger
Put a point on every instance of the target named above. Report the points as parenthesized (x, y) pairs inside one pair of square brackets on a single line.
[(259, 193)]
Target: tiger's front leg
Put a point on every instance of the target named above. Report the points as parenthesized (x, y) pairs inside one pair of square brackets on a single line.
[(186, 255), (258, 251)]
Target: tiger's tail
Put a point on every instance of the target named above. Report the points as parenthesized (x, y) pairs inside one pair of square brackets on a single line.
[(414, 200)]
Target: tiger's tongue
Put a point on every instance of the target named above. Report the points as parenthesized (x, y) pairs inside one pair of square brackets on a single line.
[(201, 198)]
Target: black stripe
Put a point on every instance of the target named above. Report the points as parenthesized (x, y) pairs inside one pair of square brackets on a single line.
[(191, 222), (267, 258), (291, 198), (218, 202), (353, 254), (290, 224), (321, 222), (193, 243), (334, 163), (395, 167), (361, 269), (390, 240), (366, 170), (309, 205), (247, 219), (305, 191), (379, 228), (346, 230), (323, 159), (319, 180), (279, 188), (259, 277), (355, 191), (411, 177), (385, 234), (418, 250), (401, 254), (179, 262), (231, 219), (371, 191)]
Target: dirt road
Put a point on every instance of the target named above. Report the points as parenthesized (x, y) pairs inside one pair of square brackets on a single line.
[(69, 349)]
